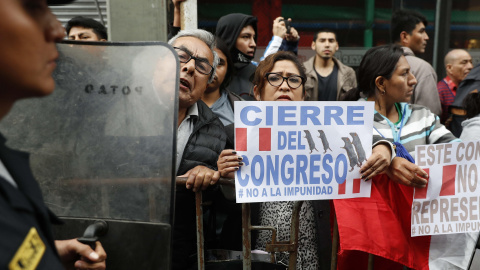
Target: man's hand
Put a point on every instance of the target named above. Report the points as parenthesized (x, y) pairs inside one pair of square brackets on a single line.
[(279, 28), (293, 36), (201, 177), (176, 3), (75, 255), (406, 173), (176, 12)]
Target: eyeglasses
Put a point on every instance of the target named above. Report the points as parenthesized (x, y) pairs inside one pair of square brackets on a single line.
[(293, 81), (201, 65)]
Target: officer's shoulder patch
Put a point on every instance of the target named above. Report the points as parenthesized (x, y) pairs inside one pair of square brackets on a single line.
[(29, 253)]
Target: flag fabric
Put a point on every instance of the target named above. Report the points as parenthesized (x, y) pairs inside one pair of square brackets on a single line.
[(381, 225)]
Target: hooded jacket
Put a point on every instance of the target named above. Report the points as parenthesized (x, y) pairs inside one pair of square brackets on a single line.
[(228, 29)]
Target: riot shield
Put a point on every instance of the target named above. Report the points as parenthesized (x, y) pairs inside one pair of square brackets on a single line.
[(103, 145)]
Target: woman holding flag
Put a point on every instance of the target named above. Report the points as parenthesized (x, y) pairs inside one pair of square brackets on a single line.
[(380, 225)]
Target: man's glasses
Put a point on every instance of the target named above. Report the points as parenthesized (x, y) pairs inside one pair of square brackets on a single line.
[(293, 81), (201, 65)]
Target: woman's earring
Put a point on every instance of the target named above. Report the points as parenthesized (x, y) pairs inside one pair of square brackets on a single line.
[(383, 93)]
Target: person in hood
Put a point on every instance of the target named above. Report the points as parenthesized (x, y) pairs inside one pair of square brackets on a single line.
[(239, 33)]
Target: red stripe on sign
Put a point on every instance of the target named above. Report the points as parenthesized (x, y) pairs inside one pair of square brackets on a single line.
[(448, 180), (421, 193), (241, 139), (265, 139), (342, 187), (356, 186)]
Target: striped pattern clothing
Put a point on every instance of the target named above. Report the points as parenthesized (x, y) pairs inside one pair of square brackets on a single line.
[(446, 91), (420, 127)]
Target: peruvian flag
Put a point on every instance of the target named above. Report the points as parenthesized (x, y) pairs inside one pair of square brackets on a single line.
[(381, 225)]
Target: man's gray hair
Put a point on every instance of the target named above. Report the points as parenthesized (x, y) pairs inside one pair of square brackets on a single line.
[(204, 36)]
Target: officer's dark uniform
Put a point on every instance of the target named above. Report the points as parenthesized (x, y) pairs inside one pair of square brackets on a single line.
[(25, 234)]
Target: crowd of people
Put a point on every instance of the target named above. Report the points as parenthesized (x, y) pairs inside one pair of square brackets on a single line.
[(402, 85), (215, 71)]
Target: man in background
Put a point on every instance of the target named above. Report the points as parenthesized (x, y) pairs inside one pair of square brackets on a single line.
[(327, 78), (458, 64), (408, 29), (85, 29)]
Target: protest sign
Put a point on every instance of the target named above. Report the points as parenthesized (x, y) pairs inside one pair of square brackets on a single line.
[(302, 150), (450, 202)]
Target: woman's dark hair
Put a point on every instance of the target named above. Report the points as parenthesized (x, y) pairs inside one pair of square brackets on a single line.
[(377, 61), (222, 46), (471, 103), (267, 65)]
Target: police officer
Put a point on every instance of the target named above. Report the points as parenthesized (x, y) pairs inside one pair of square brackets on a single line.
[(28, 32)]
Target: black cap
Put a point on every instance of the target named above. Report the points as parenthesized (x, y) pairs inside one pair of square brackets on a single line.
[(59, 2)]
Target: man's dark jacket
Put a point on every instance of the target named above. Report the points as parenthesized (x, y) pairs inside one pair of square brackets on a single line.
[(204, 146), (21, 209)]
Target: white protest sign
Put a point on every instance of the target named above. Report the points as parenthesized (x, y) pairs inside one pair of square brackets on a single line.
[(305, 150), (450, 202)]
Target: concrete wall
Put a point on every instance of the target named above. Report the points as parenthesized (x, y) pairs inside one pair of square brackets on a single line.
[(139, 20)]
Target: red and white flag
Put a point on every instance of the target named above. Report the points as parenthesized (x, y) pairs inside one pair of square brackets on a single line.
[(381, 225)]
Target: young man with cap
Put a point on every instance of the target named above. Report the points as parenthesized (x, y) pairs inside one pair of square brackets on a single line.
[(27, 60)]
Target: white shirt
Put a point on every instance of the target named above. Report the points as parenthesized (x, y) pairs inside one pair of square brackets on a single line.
[(6, 175), (184, 131)]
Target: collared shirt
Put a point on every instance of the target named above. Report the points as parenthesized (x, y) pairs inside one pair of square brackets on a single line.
[(6, 175), (447, 90), (184, 131), (223, 109)]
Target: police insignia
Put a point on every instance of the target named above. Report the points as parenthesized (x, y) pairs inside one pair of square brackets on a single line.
[(30, 252)]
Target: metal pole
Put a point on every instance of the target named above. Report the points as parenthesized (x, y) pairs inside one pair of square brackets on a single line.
[(441, 40), (371, 259), (333, 265), (199, 212), (294, 227), (247, 245), (100, 12), (369, 19)]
